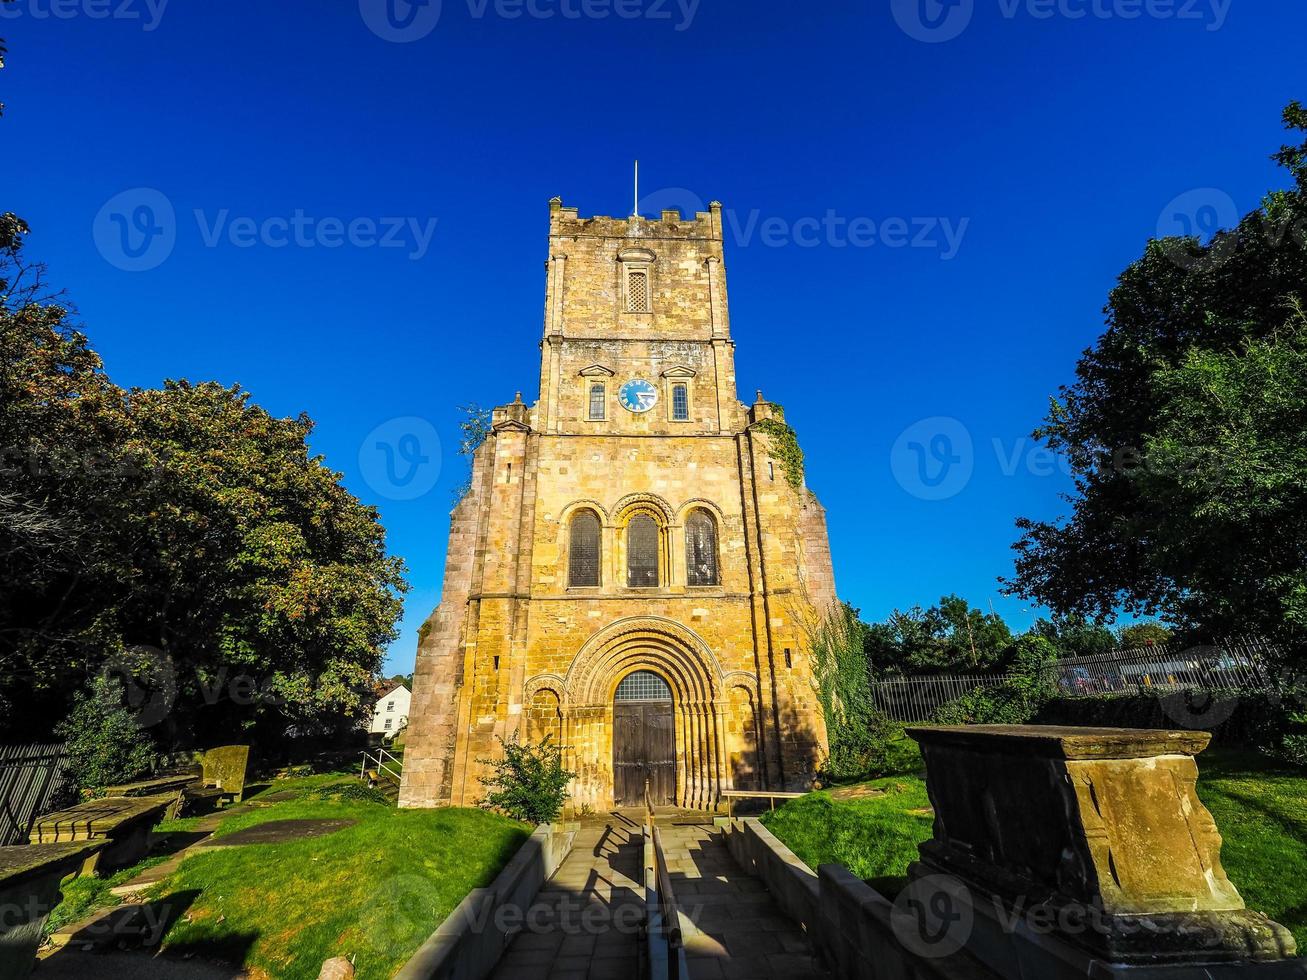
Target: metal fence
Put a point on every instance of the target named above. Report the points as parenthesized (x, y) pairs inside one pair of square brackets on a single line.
[(1235, 665), (32, 779)]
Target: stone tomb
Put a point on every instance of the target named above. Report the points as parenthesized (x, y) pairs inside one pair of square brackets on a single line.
[(1082, 851)]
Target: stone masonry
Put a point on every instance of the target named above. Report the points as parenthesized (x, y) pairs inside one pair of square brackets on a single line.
[(516, 647)]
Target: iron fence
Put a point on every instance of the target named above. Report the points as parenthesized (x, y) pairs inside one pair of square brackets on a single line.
[(33, 778), (1233, 665)]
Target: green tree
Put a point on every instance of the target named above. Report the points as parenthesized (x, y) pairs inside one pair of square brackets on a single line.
[(1138, 635), (1184, 433), (950, 636), (1074, 635), (184, 518)]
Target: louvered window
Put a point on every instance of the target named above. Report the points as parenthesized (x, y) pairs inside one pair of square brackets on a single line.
[(583, 552), (642, 552), (680, 403), (637, 292), (701, 549), (596, 401)]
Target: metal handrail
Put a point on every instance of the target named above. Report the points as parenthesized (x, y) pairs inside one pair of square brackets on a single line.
[(668, 922), (381, 767)]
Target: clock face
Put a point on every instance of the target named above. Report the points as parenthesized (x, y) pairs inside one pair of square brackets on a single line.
[(637, 395)]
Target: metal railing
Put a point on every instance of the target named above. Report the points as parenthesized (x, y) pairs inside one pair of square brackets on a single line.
[(383, 764), (665, 940), (1233, 665), (32, 780)]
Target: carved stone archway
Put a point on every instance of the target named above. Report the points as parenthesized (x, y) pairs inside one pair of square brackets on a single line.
[(681, 658)]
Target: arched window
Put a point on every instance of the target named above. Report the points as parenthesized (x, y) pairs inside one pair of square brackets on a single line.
[(642, 552), (701, 549), (643, 685), (583, 550)]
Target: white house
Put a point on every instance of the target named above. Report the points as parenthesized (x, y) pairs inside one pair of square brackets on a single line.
[(391, 713)]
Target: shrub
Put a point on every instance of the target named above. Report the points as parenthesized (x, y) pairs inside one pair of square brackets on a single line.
[(529, 783), (1024, 691), (105, 744)]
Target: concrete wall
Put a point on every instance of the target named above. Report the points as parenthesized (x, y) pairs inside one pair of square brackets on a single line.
[(470, 942)]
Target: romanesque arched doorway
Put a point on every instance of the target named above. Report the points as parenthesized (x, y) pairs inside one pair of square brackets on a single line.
[(644, 740)]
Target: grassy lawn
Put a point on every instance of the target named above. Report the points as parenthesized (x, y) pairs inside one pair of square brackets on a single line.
[(373, 891), (1260, 808)]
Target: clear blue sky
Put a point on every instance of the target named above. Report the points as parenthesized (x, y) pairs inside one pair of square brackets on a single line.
[(1053, 145)]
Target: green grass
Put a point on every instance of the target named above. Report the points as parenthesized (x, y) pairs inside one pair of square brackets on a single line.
[(1259, 806), (84, 896), (372, 892), (1261, 810)]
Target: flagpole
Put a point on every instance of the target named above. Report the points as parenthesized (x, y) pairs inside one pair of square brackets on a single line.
[(636, 210)]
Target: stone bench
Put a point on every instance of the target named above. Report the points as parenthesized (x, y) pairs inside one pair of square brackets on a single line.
[(122, 823), (29, 890)]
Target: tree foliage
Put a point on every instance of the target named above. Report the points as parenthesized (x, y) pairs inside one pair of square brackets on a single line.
[(950, 636), (105, 744), (1184, 433), (185, 519)]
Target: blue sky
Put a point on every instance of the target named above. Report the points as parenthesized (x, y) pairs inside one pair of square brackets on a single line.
[(926, 208)]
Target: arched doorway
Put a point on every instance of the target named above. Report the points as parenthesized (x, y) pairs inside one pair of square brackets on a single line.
[(644, 740)]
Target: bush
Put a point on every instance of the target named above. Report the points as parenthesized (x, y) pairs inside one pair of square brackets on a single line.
[(105, 744), (351, 792), (1021, 696), (529, 783)]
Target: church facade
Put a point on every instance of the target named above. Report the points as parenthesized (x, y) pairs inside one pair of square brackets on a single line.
[(636, 565)]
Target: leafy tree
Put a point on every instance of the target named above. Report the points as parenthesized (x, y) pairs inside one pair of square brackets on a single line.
[(105, 744), (185, 518), (1184, 433), (474, 428), (529, 783), (950, 636), (1139, 635), (1075, 636)]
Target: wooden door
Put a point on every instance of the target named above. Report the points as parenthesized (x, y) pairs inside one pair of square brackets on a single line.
[(644, 747)]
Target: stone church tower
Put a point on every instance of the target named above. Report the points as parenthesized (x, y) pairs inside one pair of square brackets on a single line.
[(637, 559)]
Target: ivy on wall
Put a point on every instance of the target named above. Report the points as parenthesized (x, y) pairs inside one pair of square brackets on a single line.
[(785, 447)]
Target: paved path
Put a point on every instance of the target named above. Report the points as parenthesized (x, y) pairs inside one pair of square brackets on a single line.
[(738, 931)]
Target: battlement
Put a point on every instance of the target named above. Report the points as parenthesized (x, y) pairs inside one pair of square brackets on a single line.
[(565, 222)]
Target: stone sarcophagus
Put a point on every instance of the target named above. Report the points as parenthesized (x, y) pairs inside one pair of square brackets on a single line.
[(1084, 851)]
